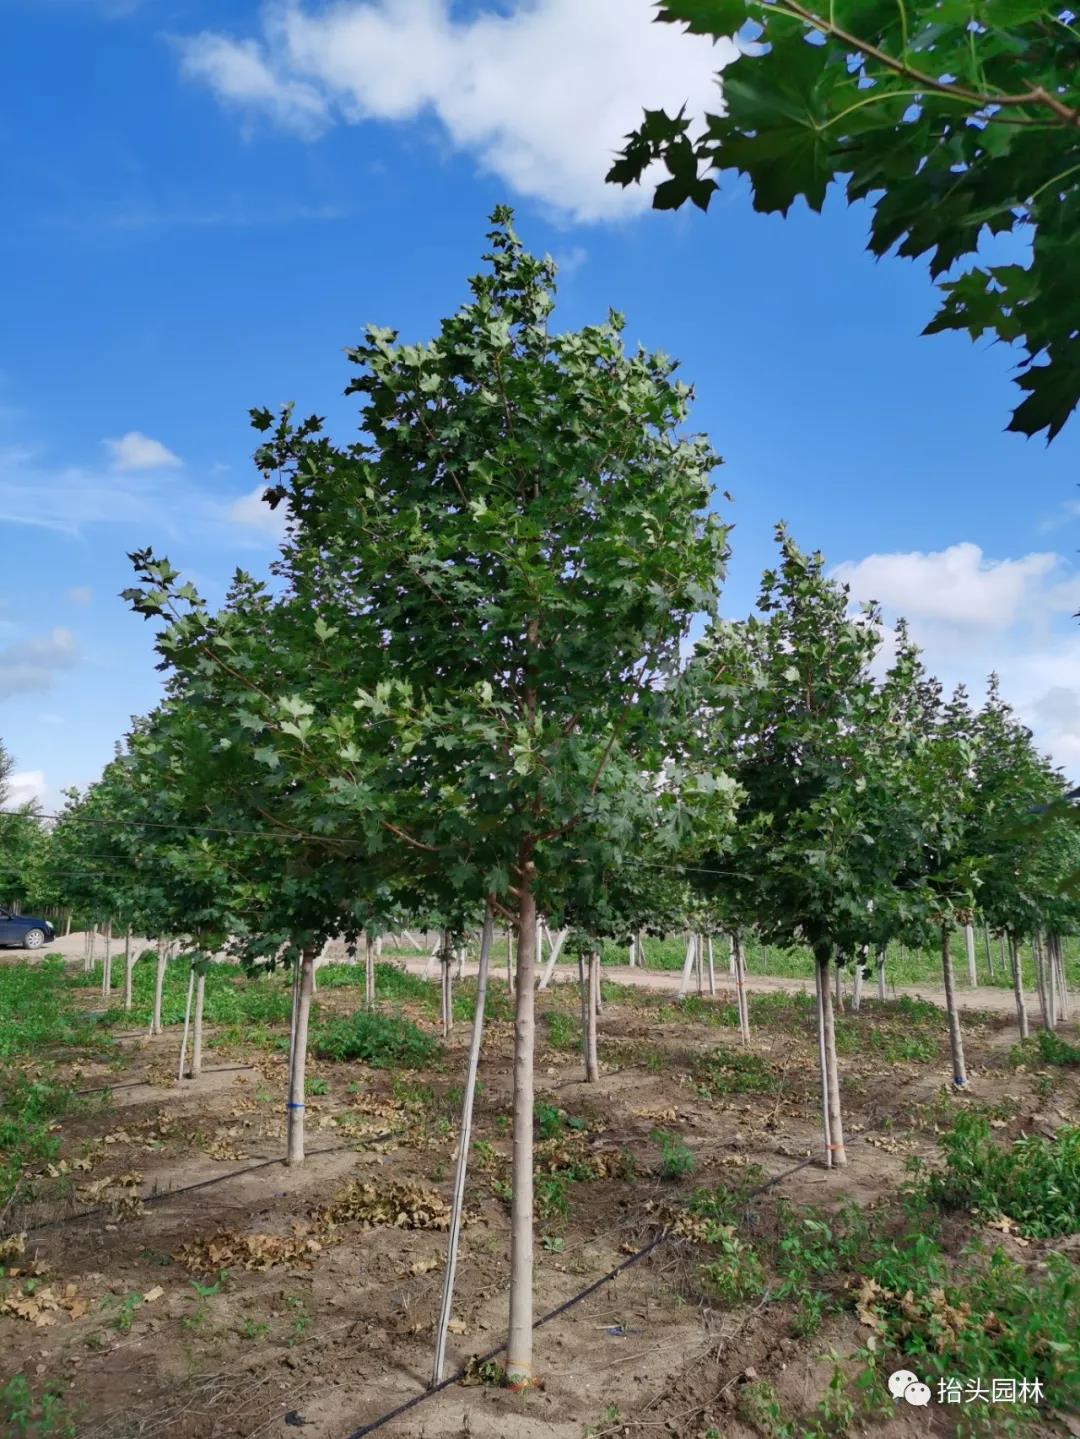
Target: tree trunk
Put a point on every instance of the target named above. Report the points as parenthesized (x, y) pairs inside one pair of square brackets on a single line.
[(731, 955), (881, 974), (712, 967), (196, 1033), (294, 1153), (128, 969), (856, 984), (106, 966), (187, 1021), (447, 1004), (741, 1004), (989, 954), (159, 985), (836, 1123), (519, 1343), (592, 1064), (838, 985), (688, 963), (67, 923), (969, 948), (1059, 961), (1018, 988), (1040, 982), (464, 1135), (956, 1041), (821, 979), (369, 973)]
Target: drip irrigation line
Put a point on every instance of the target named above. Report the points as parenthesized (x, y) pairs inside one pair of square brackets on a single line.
[(217, 1179), (575, 1299), (137, 1083)]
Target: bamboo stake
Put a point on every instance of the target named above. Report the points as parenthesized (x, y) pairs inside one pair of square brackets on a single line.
[(510, 959), (187, 1021), (556, 944), (465, 1132), (197, 1028), (592, 1062)]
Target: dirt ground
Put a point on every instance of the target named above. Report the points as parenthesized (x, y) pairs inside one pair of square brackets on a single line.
[(323, 1319)]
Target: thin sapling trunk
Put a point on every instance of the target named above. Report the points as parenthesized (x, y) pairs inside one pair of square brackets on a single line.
[(956, 1041), (464, 1135), (821, 980), (294, 1152), (519, 1369), (592, 1064), (1018, 987), (187, 1021), (129, 966), (836, 1123), (969, 948)]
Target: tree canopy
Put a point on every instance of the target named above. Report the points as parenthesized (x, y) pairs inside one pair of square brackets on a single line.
[(956, 120)]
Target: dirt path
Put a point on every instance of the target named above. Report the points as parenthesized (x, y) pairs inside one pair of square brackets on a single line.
[(983, 998)]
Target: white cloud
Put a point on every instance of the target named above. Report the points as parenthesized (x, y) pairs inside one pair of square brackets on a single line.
[(80, 595), (958, 585), (136, 451), (237, 72), (26, 786), (252, 512), (542, 94), (28, 667), (972, 615)]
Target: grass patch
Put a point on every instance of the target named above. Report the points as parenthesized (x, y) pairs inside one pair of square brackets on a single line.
[(35, 1013), (382, 1041), (733, 1071), (29, 1109)]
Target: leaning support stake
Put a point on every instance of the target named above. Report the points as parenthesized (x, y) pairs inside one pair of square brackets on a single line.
[(463, 1152), (187, 1021)]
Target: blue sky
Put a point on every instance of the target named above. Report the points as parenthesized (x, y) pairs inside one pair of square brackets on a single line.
[(206, 203)]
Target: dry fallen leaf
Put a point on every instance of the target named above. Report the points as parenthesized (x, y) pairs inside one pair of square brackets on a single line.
[(152, 1294)]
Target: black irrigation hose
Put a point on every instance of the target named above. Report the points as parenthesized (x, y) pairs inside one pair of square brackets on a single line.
[(206, 1183), (138, 1083), (635, 1258)]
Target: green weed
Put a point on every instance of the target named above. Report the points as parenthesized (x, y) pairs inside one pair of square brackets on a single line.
[(379, 1040), (676, 1161)]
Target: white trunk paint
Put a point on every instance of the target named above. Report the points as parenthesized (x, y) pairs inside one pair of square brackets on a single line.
[(688, 964), (197, 1028)]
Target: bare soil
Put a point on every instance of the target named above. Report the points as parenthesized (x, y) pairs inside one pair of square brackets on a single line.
[(327, 1338)]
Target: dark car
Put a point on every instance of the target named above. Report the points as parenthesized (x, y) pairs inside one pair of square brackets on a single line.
[(24, 930)]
